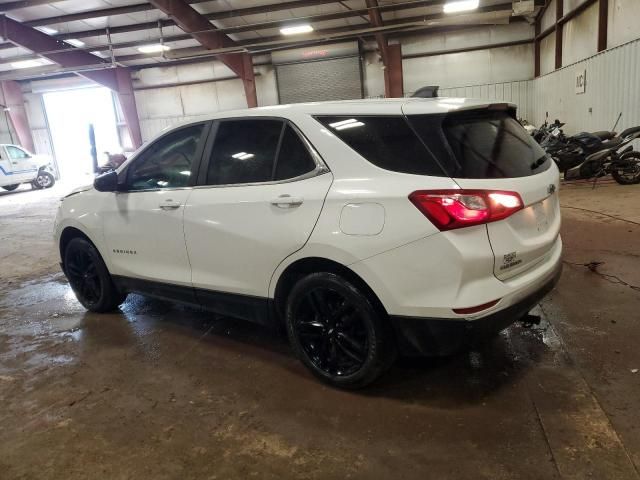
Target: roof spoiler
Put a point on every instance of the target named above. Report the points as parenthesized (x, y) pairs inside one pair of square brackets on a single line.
[(426, 92)]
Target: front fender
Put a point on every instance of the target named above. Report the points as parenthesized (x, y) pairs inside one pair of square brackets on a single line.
[(74, 213)]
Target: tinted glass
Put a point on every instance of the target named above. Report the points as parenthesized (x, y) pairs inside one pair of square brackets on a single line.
[(386, 141), (244, 151), (16, 153), (481, 144), (293, 159), (166, 163)]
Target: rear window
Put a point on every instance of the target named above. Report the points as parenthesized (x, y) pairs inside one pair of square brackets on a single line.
[(481, 144), (386, 141)]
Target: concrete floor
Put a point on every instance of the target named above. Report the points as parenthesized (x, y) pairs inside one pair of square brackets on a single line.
[(161, 391)]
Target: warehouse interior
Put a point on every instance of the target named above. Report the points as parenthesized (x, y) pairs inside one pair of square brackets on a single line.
[(160, 390)]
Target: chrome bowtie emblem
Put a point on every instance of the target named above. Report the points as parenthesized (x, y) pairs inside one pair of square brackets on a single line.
[(551, 189)]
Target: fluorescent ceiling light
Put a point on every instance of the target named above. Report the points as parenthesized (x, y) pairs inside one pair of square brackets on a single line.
[(461, 6), (154, 48), (296, 29), (47, 30), (350, 125), (36, 62), (243, 155), (75, 42), (344, 124)]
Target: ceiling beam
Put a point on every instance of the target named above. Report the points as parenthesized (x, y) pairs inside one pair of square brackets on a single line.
[(289, 5), (116, 79), (101, 12), (52, 49), (200, 28), (35, 73), (404, 26), (278, 23), (265, 41), (5, 7)]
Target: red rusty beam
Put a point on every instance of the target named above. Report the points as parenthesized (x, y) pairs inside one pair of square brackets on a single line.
[(391, 54), (376, 20), (536, 49), (194, 23), (71, 58), (393, 72), (559, 28), (603, 20), (127, 102), (13, 100)]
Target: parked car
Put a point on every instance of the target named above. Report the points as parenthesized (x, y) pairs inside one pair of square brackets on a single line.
[(18, 166), (365, 228)]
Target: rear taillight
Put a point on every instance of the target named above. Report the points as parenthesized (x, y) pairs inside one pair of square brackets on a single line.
[(450, 209)]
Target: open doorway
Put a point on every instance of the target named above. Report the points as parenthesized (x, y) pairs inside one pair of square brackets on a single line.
[(72, 115)]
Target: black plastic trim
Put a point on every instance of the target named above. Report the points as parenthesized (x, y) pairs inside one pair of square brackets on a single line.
[(246, 307), (417, 336)]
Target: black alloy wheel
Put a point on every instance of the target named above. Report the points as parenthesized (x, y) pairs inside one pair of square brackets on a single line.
[(83, 276), (89, 277), (337, 332), (332, 332)]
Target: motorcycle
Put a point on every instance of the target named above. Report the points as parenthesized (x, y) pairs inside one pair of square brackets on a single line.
[(613, 156)]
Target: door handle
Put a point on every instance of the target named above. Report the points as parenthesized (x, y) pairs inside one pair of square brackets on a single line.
[(287, 201), (14, 163), (170, 205)]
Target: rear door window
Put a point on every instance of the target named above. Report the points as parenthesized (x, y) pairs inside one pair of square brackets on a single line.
[(386, 141), (244, 151), (294, 158), (481, 144)]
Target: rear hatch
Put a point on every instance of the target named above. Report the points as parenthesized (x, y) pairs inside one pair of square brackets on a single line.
[(487, 149)]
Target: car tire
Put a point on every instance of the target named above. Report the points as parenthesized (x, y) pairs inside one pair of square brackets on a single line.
[(337, 331), (89, 277), (43, 180), (11, 188)]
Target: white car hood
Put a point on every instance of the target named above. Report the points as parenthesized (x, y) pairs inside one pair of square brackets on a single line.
[(84, 188)]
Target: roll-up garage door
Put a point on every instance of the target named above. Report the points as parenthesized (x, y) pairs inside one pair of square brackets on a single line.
[(322, 78)]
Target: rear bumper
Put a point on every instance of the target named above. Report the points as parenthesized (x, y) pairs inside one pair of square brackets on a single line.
[(417, 336)]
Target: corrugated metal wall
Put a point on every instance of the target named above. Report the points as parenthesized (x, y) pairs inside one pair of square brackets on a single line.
[(7, 135), (161, 107), (613, 81)]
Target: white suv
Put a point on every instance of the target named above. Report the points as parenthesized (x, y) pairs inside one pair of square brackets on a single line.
[(366, 228)]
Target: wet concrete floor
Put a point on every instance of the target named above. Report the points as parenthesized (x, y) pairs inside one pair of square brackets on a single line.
[(163, 391)]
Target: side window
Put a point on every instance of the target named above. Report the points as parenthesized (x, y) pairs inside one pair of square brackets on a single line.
[(16, 153), (244, 151), (166, 163), (386, 141), (293, 158)]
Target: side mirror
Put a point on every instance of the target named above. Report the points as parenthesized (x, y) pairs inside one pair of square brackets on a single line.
[(107, 182)]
